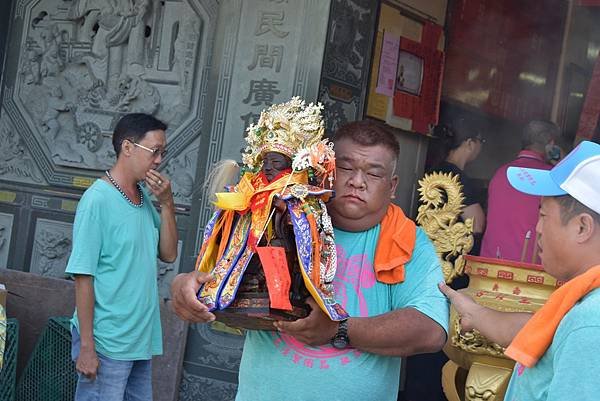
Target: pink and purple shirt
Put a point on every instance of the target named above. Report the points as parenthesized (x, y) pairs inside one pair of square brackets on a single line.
[(511, 213)]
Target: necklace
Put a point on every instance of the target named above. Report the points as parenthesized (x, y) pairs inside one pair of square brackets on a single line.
[(112, 180)]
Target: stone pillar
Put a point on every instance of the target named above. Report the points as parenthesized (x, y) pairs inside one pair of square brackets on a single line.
[(266, 51)]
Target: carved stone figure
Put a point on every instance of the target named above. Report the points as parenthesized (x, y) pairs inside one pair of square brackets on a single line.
[(135, 95), (51, 61), (53, 247), (55, 105), (348, 36), (87, 13), (136, 47), (31, 69), (110, 25), (13, 159), (182, 180)]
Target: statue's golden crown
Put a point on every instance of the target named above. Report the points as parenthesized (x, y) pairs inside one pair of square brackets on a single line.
[(287, 128)]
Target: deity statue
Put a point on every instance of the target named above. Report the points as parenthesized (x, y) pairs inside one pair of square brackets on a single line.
[(270, 244)]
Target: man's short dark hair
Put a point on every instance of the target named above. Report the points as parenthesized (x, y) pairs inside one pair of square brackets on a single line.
[(134, 126), (368, 133), (571, 207), (539, 133)]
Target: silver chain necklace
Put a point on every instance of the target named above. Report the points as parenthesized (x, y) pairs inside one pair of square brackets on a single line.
[(139, 188)]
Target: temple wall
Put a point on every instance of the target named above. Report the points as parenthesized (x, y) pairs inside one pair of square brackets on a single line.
[(206, 67)]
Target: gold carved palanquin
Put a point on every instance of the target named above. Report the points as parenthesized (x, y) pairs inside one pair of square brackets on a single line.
[(478, 369)]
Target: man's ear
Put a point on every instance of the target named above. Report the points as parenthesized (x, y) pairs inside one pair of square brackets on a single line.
[(586, 227), (393, 185), (126, 148)]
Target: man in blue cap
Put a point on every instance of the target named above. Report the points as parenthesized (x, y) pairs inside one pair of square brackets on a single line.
[(552, 347)]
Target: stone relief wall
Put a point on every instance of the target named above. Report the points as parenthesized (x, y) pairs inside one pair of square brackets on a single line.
[(51, 248), (193, 388), (16, 162), (180, 168), (83, 64), (211, 348), (347, 61), (6, 226), (74, 67), (52, 244)]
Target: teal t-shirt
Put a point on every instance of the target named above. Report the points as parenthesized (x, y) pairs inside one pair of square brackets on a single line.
[(568, 369), (117, 244), (277, 367)]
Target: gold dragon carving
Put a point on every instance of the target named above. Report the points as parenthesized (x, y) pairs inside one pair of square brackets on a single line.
[(441, 201), (472, 341), (439, 214)]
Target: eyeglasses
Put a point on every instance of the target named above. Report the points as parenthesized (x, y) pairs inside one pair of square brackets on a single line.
[(155, 152)]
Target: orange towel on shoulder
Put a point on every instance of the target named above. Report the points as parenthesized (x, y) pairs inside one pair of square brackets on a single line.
[(395, 246), (530, 344)]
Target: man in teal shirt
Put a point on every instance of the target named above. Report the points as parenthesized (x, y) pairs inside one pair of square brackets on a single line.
[(556, 348), (316, 358), (117, 236)]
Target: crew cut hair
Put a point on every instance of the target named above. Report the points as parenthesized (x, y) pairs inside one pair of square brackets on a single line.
[(368, 133)]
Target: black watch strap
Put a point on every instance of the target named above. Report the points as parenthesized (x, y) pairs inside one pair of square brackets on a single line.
[(341, 340)]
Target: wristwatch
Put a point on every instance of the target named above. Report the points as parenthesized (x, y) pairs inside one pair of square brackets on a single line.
[(341, 340)]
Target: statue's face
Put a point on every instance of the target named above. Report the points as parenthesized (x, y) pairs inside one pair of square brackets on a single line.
[(274, 163)]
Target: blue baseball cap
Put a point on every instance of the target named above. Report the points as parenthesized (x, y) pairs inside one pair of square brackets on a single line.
[(578, 175)]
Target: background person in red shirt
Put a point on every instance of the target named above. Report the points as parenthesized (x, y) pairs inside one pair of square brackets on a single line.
[(511, 214)]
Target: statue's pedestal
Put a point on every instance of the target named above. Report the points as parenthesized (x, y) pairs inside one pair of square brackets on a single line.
[(251, 311), (478, 369)]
